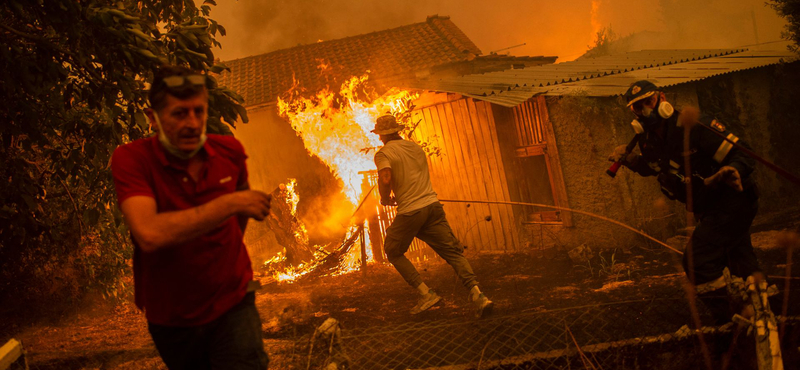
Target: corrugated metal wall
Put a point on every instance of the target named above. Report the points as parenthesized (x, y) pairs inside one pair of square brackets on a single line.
[(469, 167)]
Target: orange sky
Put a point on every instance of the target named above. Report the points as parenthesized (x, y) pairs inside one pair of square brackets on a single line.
[(563, 28)]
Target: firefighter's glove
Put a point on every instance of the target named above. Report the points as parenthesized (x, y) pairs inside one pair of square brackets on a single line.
[(727, 175), (392, 202), (619, 152)]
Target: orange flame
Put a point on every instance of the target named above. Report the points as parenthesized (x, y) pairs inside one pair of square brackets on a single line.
[(337, 130), (291, 273), (336, 127), (292, 198)]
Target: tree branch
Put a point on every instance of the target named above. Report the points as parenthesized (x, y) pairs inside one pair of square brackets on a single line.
[(23, 34), (74, 205)]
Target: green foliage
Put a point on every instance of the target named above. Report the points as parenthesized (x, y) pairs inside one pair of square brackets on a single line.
[(789, 9), (604, 264), (73, 88), (606, 42), (604, 39), (608, 266), (404, 117)]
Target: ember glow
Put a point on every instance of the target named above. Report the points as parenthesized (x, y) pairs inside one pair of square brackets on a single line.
[(290, 273), (287, 274), (300, 231), (281, 271)]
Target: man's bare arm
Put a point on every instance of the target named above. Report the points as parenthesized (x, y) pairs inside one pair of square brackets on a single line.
[(385, 186), (153, 230)]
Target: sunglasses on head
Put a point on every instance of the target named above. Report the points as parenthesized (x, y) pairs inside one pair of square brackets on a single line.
[(178, 81)]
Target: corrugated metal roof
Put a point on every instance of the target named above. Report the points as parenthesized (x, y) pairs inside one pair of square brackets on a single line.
[(608, 75)]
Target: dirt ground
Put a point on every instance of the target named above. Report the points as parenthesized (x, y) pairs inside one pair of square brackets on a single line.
[(116, 336)]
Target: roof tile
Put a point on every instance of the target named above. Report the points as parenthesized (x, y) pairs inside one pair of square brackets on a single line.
[(392, 53)]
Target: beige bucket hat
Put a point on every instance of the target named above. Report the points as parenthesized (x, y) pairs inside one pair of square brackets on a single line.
[(387, 124)]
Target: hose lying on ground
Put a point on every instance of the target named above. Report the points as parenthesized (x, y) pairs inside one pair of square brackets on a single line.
[(615, 222)]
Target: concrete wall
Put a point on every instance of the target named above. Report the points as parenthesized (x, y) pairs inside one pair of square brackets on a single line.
[(757, 105)]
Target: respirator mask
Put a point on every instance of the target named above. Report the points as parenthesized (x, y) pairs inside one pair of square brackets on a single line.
[(647, 118), (174, 150)]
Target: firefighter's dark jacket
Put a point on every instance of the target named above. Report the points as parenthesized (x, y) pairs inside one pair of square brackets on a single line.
[(662, 156)]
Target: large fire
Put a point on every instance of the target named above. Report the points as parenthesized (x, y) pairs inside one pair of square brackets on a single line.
[(335, 126), (293, 198), (285, 272)]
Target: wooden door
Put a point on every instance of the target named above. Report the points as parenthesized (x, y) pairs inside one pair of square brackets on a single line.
[(537, 157)]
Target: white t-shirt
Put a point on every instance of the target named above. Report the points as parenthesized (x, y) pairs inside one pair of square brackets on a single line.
[(411, 182)]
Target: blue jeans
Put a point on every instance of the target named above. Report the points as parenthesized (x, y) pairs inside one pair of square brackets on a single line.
[(232, 341)]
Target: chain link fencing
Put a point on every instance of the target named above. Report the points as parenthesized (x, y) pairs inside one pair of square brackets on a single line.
[(281, 356), (651, 334)]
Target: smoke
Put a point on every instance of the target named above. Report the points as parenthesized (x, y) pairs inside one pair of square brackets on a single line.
[(719, 23), (564, 28), (328, 216)]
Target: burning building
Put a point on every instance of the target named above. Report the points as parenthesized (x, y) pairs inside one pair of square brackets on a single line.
[(311, 110), (499, 128)]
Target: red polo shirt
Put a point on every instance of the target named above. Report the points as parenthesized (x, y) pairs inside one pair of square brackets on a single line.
[(195, 282)]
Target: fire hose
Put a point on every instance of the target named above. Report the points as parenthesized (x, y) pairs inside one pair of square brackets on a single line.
[(786, 174), (690, 122), (543, 206), (568, 210), (612, 171)]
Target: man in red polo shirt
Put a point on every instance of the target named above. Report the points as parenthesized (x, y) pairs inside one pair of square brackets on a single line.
[(186, 199)]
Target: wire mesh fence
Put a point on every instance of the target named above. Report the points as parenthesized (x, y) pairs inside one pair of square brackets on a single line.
[(651, 334), (624, 335), (281, 356)]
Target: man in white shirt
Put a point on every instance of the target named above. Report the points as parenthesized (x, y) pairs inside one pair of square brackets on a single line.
[(403, 170)]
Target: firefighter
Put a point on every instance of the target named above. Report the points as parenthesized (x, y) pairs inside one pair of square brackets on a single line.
[(724, 196)]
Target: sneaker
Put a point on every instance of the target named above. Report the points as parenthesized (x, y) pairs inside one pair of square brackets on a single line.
[(483, 306), (425, 302)]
